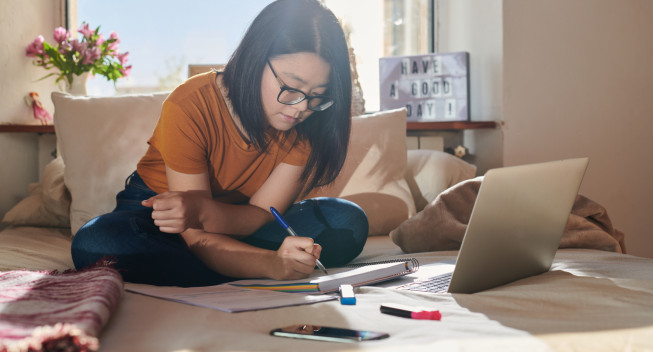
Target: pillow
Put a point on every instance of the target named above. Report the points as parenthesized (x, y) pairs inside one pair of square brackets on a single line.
[(48, 203), (373, 173), (429, 172), (100, 140)]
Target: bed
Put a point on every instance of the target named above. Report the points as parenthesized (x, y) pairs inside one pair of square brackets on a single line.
[(590, 300)]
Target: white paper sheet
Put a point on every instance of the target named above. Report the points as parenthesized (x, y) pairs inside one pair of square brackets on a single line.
[(227, 298)]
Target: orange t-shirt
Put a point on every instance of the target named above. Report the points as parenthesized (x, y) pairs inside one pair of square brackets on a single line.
[(196, 133)]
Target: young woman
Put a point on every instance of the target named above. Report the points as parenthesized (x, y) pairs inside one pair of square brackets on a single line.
[(227, 147)]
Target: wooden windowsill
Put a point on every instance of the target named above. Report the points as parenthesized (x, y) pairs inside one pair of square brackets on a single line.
[(449, 125), (27, 128), (410, 126)]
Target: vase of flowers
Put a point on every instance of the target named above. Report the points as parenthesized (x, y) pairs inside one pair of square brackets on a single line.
[(76, 59)]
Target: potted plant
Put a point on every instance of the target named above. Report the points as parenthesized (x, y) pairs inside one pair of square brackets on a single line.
[(73, 57)]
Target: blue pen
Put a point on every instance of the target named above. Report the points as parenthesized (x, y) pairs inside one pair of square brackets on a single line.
[(292, 232)]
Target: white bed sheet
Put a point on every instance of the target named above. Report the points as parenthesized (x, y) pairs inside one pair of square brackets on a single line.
[(589, 301), (35, 248)]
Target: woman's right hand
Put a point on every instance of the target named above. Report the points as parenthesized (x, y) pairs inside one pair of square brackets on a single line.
[(295, 258), (176, 212)]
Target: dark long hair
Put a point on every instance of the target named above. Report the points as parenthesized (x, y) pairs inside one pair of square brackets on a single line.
[(287, 27)]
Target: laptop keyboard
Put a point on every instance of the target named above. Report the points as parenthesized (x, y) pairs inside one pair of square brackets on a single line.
[(434, 284)]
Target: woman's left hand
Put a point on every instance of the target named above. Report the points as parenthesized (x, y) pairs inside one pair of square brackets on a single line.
[(175, 212)]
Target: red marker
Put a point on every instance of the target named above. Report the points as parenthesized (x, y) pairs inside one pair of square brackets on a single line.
[(410, 312)]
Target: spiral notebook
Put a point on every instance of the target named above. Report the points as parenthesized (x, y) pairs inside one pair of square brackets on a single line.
[(356, 275)]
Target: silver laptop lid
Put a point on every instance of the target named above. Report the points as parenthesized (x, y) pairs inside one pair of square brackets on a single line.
[(518, 219)]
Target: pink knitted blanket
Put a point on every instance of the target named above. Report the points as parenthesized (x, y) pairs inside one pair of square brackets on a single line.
[(50, 311)]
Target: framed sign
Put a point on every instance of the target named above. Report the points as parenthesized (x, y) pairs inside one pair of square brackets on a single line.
[(432, 87)]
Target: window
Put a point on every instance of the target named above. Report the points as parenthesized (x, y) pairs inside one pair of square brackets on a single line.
[(378, 28), (163, 38)]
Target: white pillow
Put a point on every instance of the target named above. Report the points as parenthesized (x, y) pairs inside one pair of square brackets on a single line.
[(101, 139), (373, 173), (48, 202)]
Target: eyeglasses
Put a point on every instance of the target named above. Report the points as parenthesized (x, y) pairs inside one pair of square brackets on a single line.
[(292, 96)]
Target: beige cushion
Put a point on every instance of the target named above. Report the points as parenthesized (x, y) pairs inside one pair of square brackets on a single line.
[(101, 139), (373, 173), (429, 172), (48, 202)]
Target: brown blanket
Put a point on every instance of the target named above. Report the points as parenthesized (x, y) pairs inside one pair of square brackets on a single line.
[(442, 224)]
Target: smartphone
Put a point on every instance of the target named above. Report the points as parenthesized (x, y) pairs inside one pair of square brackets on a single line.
[(327, 333)]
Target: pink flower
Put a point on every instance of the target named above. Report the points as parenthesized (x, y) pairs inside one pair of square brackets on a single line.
[(126, 70), (65, 47), (123, 58), (91, 55), (85, 30), (77, 45), (100, 40), (113, 46), (36, 47), (61, 35)]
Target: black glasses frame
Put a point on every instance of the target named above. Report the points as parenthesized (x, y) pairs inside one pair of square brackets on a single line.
[(327, 101)]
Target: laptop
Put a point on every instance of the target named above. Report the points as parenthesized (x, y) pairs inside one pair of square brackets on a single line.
[(515, 227)]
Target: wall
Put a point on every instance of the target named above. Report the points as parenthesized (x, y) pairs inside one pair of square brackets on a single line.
[(20, 22), (578, 81), (476, 26)]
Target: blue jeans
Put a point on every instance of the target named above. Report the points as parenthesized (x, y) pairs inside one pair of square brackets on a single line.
[(143, 254)]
